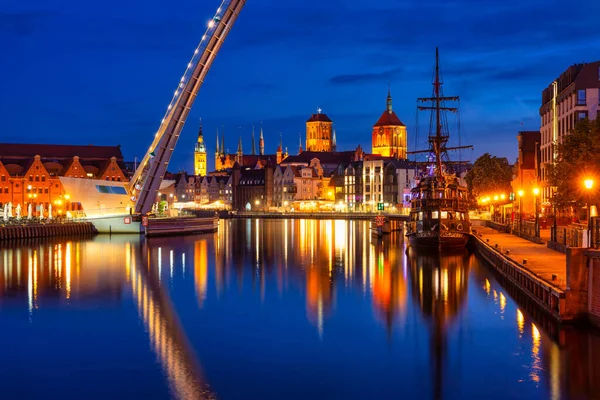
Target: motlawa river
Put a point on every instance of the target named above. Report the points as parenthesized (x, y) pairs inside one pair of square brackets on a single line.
[(274, 309)]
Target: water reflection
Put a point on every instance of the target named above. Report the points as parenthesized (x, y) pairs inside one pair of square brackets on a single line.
[(271, 298), (439, 282)]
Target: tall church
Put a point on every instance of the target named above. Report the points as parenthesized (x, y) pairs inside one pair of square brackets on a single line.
[(200, 154), (389, 134), (319, 133)]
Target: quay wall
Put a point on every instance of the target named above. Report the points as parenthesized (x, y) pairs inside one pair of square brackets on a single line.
[(13, 232), (549, 298)]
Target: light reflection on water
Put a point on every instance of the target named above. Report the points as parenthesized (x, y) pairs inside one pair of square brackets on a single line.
[(275, 309)]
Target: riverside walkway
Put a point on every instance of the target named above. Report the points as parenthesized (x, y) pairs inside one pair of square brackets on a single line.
[(541, 261)]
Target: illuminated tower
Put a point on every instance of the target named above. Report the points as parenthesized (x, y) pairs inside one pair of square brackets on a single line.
[(253, 147), (389, 134), (334, 142), (318, 132), (200, 154)]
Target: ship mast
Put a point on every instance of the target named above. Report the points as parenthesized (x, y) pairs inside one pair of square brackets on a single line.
[(436, 105), (438, 124)]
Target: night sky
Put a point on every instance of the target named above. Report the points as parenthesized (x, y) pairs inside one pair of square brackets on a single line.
[(104, 72)]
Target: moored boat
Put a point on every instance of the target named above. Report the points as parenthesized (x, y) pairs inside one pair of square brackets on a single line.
[(439, 214)]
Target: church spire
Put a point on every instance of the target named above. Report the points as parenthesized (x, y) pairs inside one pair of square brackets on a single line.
[(240, 152), (222, 140), (218, 150), (389, 99), (261, 142), (333, 141), (300, 143), (200, 135), (253, 146), (200, 147)]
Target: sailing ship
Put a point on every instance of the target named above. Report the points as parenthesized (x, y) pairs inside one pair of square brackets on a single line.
[(439, 214)]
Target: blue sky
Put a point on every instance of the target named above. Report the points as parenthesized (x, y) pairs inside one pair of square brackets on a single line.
[(104, 72)]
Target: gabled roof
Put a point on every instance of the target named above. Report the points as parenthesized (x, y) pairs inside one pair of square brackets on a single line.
[(388, 118)]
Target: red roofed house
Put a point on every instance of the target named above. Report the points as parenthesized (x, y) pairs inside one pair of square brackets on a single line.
[(29, 173), (389, 134)]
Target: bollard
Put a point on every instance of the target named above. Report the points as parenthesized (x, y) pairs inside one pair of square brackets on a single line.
[(487, 240), (496, 245), (554, 276), (524, 261), (507, 251)]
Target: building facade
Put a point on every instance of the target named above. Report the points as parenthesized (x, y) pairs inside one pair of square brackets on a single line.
[(252, 188), (319, 132), (29, 173), (200, 154), (573, 96), (527, 170), (389, 134)]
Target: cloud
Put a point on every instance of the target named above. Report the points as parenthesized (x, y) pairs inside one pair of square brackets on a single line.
[(365, 77)]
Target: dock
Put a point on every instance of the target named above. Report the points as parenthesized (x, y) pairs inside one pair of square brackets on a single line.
[(180, 226)]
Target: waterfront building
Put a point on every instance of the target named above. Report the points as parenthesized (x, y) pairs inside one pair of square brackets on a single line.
[(527, 170), (353, 186), (200, 154), (29, 173), (573, 96), (319, 133), (373, 167), (185, 187), (252, 188), (389, 134)]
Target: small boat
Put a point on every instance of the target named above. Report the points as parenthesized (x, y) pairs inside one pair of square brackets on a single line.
[(380, 225), (439, 215)]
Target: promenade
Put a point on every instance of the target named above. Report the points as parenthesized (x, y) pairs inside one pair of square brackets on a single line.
[(541, 261)]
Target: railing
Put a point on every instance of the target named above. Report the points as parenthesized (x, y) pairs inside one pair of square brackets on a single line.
[(571, 236), (441, 203), (528, 228)]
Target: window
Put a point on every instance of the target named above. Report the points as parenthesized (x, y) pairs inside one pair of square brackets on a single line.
[(581, 115), (3, 178), (43, 178), (30, 178), (581, 97), (111, 189)]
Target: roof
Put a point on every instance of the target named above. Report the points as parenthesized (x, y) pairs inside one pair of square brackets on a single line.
[(59, 151), (388, 118), (325, 157), (319, 118), (252, 160)]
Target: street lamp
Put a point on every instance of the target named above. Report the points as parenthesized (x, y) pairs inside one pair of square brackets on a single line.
[(589, 183), (536, 192), (520, 193)]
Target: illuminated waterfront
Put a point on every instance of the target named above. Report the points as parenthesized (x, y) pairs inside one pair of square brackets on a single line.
[(273, 310)]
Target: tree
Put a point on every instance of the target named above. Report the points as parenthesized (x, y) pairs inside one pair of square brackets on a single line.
[(489, 175), (578, 158)]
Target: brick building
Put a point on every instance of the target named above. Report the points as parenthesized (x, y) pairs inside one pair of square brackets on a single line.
[(29, 173)]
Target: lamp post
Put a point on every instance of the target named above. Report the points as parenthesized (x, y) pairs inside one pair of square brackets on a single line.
[(589, 183), (520, 193), (536, 192)]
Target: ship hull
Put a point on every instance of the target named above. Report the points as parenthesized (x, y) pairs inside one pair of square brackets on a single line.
[(445, 240)]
